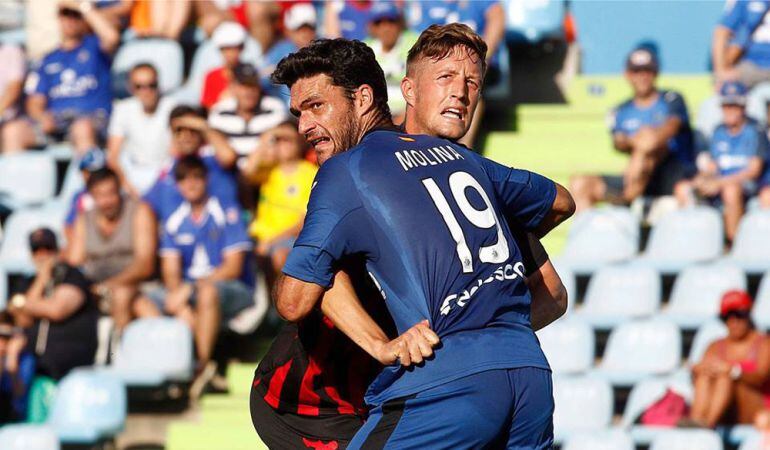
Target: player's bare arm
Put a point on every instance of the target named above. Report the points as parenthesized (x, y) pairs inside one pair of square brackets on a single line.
[(562, 209), (549, 296)]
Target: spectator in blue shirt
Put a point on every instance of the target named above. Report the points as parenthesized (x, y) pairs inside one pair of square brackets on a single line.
[(205, 263), (653, 128), (70, 94), (192, 135), (729, 171), (348, 19), (741, 43)]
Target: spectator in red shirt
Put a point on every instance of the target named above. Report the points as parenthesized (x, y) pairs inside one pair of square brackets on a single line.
[(230, 37)]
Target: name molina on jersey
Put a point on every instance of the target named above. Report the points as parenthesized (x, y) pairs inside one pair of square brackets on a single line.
[(409, 159)]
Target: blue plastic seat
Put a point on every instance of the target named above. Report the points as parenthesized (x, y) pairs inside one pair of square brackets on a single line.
[(599, 237), (206, 58), (753, 441), (14, 250), (617, 294), (612, 439), (153, 351), (687, 440), (706, 334), (644, 394), (751, 247), (761, 311), (698, 291), (682, 238), (165, 54), (89, 407), (582, 404), (533, 21), (569, 346), (640, 349), (28, 437), (26, 179)]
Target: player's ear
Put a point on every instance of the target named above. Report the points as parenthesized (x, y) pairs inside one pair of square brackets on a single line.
[(408, 90), (364, 99)]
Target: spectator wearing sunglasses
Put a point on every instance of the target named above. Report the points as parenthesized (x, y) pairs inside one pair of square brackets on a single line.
[(138, 136), (731, 380), (69, 95)]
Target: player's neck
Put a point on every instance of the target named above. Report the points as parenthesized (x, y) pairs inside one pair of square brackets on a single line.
[(372, 121), (646, 99)]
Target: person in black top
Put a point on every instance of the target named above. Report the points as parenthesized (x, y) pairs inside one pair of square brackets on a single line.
[(57, 310)]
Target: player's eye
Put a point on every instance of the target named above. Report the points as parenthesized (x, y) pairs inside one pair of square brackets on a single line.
[(316, 105)]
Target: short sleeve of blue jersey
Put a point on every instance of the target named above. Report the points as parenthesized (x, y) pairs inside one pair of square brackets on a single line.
[(235, 236), (732, 17), (335, 225), (167, 244), (42, 81), (525, 196), (676, 106)]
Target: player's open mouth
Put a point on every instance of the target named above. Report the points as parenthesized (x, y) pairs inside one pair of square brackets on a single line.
[(453, 113), (315, 142)]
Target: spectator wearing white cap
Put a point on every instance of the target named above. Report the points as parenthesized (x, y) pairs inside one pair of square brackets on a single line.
[(299, 22), (230, 38)]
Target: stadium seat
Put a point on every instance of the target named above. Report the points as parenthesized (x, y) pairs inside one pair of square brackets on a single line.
[(684, 237), (581, 404), (28, 437), (569, 346), (89, 407), (639, 349), (754, 441), (751, 247), (620, 293), (599, 237), (530, 21), (164, 54), (706, 334), (698, 290), (644, 394), (761, 311), (3, 289), (153, 351), (206, 58), (14, 250), (687, 440), (600, 440), (26, 179)]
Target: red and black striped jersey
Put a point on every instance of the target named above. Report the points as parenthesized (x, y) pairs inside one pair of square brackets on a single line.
[(313, 369)]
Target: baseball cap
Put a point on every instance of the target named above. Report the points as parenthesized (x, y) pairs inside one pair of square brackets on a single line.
[(245, 73), (228, 34), (384, 11), (93, 160), (732, 93), (299, 15), (43, 238), (642, 59), (735, 301)]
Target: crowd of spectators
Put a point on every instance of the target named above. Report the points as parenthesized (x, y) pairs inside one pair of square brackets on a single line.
[(182, 203)]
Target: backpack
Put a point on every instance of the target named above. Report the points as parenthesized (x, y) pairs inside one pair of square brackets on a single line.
[(667, 411)]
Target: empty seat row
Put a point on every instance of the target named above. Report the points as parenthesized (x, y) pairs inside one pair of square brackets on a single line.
[(604, 236)]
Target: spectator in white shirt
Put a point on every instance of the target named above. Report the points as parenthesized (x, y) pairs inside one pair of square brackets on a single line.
[(138, 135)]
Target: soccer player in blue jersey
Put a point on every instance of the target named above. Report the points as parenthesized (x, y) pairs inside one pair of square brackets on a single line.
[(730, 170), (653, 128), (429, 216)]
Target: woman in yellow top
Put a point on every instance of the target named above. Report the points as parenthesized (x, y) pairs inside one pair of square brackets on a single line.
[(286, 179)]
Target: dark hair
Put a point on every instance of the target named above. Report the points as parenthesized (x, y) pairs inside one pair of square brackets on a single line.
[(186, 110), (100, 175), (144, 65), (438, 41), (349, 64), (188, 165)]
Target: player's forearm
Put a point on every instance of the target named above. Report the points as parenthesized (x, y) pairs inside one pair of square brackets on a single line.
[(549, 296), (562, 209), (341, 305)]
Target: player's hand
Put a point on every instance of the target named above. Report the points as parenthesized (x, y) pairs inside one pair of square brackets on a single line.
[(412, 347)]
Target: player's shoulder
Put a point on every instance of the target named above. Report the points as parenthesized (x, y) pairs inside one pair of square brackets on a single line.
[(624, 106)]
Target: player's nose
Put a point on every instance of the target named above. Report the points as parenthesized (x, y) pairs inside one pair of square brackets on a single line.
[(305, 125)]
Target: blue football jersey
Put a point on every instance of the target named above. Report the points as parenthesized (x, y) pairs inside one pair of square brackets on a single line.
[(628, 118), (429, 216), (750, 23), (732, 152)]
